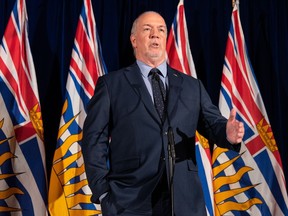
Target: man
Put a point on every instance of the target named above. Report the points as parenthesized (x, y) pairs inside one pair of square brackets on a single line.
[(125, 141)]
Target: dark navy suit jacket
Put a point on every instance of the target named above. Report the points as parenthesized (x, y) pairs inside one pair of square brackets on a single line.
[(123, 127)]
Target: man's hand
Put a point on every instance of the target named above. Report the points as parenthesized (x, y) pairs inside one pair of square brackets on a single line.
[(234, 129)]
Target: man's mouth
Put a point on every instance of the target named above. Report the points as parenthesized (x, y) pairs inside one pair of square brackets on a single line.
[(155, 45)]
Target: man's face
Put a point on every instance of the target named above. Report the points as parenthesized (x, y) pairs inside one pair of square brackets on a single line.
[(149, 39)]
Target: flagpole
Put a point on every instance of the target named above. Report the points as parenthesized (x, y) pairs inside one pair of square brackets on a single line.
[(172, 156)]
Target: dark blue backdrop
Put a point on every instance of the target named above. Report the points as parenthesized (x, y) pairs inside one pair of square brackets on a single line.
[(52, 25)]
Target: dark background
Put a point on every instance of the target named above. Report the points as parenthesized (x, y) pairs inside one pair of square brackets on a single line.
[(52, 25)]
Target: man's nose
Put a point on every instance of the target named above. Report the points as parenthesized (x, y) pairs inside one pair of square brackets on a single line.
[(154, 33)]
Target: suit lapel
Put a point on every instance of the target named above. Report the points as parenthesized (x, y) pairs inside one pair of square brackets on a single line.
[(133, 75), (175, 80)]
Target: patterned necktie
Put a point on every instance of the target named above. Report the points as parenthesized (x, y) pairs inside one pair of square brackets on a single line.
[(159, 92)]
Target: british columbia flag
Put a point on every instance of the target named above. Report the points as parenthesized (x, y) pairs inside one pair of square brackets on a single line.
[(23, 184), (251, 182), (69, 193), (180, 58)]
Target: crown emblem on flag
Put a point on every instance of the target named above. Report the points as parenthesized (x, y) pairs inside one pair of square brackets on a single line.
[(203, 141), (35, 116), (265, 132)]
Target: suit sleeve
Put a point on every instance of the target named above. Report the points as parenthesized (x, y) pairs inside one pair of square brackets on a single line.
[(212, 124), (95, 140)]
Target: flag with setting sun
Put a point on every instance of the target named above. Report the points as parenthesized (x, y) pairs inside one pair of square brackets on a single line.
[(69, 193), (251, 182), (23, 183)]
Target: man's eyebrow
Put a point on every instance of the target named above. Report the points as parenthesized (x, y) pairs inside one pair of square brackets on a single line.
[(150, 25), (147, 24)]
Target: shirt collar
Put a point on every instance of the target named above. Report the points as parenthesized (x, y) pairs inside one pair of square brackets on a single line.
[(145, 69)]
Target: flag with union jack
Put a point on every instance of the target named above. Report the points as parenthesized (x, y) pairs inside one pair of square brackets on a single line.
[(251, 182), (69, 193), (178, 48), (23, 185), (180, 58)]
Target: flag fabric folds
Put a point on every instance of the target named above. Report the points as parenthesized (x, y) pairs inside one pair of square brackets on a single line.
[(23, 185), (69, 193), (252, 182), (178, 47), (179, 57)]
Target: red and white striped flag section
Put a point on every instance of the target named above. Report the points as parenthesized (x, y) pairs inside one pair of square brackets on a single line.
[(23, 185), (180, 58), (252, 182), (178, 48), (69, 193)]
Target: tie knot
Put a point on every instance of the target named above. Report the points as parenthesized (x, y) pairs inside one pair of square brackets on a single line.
[(155, 72)]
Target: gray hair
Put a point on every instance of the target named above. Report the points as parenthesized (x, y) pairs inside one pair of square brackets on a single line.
[(133, 29)]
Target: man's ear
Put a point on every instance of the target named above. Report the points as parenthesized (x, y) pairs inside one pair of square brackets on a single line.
[(133, 40)]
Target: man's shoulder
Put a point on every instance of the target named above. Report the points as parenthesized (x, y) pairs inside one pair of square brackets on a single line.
[(181, 74), (116, 77), (121, 71)]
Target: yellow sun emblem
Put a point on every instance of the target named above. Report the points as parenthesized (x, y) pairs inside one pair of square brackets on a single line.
[(9, 191), (222, 204)]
